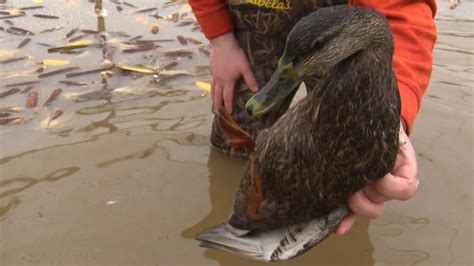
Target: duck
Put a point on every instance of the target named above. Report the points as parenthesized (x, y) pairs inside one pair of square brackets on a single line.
[(343, 135)]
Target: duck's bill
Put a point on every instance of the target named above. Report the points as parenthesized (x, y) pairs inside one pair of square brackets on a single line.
[(280, 86)]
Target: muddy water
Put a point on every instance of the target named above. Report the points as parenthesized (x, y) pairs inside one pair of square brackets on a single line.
[(126, 176)]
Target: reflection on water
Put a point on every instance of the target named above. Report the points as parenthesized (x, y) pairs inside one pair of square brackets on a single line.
[(143, 144), (224, 176)]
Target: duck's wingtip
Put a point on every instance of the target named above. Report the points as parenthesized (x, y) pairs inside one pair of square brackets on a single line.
[(219, 237)]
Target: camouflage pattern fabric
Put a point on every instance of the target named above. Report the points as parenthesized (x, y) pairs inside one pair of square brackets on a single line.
[(261, 27)]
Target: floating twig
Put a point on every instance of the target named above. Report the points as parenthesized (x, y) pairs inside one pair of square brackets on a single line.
[(57, 72)]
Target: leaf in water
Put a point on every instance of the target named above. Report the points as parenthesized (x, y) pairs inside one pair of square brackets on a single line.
[(57, 72), (24, 43), (137, 50), (168, 65), (58, 27), (19, 31), (203, 85), (193, 41), (72, 32), (9, 92), (72, 83), (11, 109), (184, 23), (21, 84), (87, 72), (136, 68), (21, 73), (175, 17), (205, 51), (11, 60), (45, 16), (27, 89), (14, 11), (52, 97), (182, 40), (130, 5), (57, 113), (145, 10), (71, 46), (10, 121), (176, 52), (53, 62), (173, 73), (31, 99)]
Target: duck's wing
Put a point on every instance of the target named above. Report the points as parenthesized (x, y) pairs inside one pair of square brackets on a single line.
[(275, 245)]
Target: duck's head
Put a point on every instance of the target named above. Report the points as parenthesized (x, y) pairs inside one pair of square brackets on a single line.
[(315, 44)]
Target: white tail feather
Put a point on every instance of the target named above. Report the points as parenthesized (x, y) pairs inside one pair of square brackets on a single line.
[(275, 245)]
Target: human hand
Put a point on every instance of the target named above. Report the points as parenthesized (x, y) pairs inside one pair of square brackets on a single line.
[(228, 63), (400, 184)]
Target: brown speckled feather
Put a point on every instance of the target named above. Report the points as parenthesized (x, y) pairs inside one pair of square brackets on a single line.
[(340, 137)]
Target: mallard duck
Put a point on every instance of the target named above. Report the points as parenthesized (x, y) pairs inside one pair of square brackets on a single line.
[(339, 138)]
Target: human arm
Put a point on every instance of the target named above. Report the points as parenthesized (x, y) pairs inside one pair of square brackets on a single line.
[(228, 62), (414, 36)]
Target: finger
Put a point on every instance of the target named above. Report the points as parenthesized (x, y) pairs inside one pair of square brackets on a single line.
[(217, 99), (228, 97), (375, 196), (250, 79), (396, 187), (362, 205), (405, 164), (213, 85), (346, 224)]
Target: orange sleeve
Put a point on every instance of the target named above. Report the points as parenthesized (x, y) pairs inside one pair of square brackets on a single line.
[(213, 16), (414, 36)]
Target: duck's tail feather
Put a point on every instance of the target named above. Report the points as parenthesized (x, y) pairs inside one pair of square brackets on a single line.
[(275, 245)]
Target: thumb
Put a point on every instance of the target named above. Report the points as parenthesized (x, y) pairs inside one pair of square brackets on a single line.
[(249, 78)]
